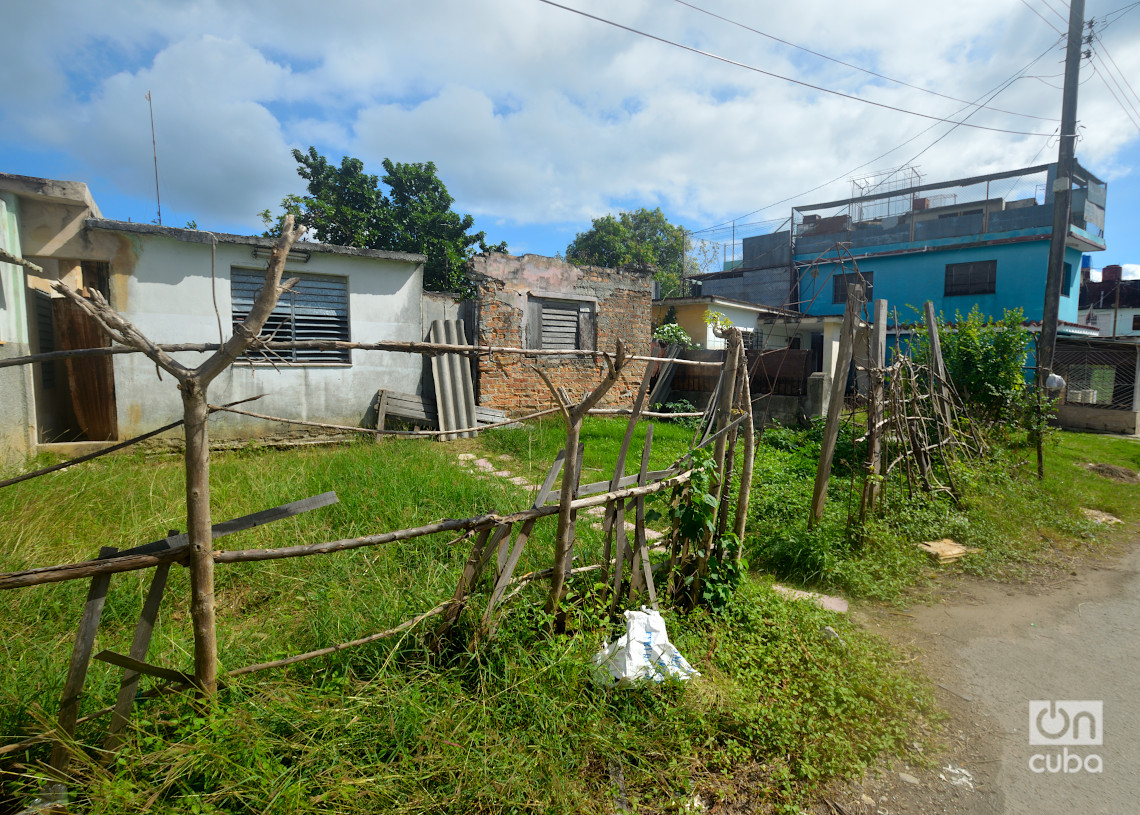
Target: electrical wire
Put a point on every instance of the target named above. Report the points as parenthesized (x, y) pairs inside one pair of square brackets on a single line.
[(1104, 52), (1130, 116), (1060, 16), (852, 65), (789, 79), (1001, 86), (1044, 19), (1120, 12)]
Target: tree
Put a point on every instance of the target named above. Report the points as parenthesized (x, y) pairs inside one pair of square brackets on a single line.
[(347, 206), (642, 239)]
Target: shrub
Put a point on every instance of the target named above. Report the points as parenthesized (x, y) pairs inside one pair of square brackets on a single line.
[(984, 358)]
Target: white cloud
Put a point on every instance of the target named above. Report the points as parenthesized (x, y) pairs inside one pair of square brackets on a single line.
[(534, 115)]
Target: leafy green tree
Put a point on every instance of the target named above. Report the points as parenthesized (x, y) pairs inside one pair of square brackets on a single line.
[(642, 239), (348, 206)]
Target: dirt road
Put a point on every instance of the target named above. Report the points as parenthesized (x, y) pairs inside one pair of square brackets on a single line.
[(993, 649)]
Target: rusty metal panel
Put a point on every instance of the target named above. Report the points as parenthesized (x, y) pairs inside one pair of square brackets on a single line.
[(783, 372), (90, 380)]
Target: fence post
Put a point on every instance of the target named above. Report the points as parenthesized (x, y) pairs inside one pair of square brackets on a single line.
[(835, 406)]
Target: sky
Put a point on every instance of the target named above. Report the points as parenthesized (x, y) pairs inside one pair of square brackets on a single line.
[(539, 119)]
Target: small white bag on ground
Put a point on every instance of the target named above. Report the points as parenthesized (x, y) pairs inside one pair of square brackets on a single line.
[(644, 652)]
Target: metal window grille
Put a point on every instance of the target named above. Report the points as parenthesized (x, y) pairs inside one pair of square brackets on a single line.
[(840, 282), (1097, 375), (316, 308), (975, 277)]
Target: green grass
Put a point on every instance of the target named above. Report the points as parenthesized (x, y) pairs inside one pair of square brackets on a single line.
[(516, 726), (1020, 525)]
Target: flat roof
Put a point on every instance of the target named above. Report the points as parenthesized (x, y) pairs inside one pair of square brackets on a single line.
[(207, 237), (728, 301)]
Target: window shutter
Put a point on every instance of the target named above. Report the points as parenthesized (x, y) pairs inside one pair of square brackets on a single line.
[(560, 326), (316, 308)]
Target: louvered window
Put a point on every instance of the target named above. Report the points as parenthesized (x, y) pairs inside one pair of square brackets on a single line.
[(560, 324), (316, 308)]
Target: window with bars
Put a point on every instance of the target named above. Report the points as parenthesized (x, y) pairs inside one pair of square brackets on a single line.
[(316, 308), (975, 277), (840, 282), (560, 324)]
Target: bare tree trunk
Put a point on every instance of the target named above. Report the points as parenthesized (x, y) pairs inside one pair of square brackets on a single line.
[(201, 562)]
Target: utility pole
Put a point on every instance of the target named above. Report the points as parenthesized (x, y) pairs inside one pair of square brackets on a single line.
[(1062, 192)]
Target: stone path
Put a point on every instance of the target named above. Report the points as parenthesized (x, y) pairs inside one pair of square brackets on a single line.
[(484, 467)]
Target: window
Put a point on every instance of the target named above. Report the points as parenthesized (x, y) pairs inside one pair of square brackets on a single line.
[(1136, 322), (316, 308), (560, 324), (839, 284), (977, 277), (1067, 280)]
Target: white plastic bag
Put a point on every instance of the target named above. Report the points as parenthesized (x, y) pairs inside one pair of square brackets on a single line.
[(644, 652)]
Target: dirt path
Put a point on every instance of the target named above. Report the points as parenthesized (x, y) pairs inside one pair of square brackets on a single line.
[(992, 649)]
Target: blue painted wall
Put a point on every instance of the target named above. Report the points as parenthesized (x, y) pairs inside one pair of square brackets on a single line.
[(906, 280)]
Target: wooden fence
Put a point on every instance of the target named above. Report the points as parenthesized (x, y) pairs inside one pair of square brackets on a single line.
[(500, 540)]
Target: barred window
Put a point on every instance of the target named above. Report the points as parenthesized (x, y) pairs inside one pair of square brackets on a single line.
[(316, 308), (840, 282), (976, 277)]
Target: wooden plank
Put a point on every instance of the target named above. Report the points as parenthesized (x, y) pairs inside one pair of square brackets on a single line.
[(381, 410), (639, 520), (77, 668), (139, 647), (507, 569), (156, 552), (138, 666), (835, 406)]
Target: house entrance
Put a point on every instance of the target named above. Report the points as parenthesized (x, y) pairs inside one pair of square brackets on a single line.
[(75, 398)]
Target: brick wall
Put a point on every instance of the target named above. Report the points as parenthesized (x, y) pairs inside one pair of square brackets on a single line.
[(505, 284)]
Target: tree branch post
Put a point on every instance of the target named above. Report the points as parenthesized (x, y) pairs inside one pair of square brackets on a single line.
[(193, 384)]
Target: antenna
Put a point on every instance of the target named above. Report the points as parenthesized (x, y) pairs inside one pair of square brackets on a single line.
[(154, 150)]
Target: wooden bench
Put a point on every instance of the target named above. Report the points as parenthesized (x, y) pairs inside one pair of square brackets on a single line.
[(420, 410)]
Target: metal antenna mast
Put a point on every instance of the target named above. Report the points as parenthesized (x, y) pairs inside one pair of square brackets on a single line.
[(154, 151)]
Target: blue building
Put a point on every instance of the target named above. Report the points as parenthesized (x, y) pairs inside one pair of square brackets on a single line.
[(974, 241)]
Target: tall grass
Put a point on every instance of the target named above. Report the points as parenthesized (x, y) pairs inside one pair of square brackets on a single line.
[(515, 726)]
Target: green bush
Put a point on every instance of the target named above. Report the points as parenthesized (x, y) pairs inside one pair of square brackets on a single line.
[(985, 359)]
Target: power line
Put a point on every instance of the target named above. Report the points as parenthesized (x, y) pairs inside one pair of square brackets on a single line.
[(1104, 51), (1120, 12), (1044, 19), (1060, 16), (1114, 96), (999, 88), (852, 65), (789, 79)]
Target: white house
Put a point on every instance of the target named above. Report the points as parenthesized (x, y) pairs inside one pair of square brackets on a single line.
[(185, 286)]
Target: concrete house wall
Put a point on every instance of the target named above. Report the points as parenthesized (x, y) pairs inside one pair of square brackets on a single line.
[(17, 426), (165, 281), (161, 282), (912, 278)]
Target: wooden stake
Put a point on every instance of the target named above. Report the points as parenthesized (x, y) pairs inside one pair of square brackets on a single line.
[(77, 669), (835, 406), (139, 647), (875, 410)]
